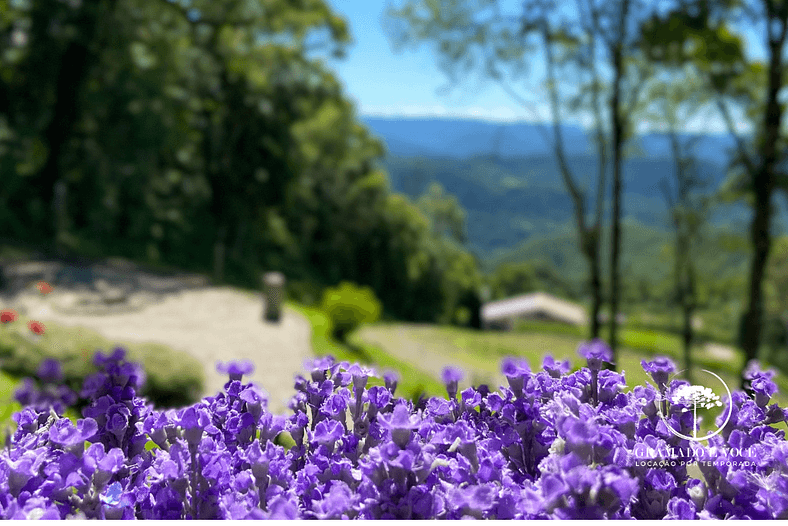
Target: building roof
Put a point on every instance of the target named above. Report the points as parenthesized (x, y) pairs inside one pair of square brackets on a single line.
[(532, 304)]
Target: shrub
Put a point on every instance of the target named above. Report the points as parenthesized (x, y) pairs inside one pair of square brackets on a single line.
[(348, 306), (174, 378)]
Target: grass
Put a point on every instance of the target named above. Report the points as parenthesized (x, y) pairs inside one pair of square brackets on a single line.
[(412, 380), (481, 353), (650, 341), (7, 404)]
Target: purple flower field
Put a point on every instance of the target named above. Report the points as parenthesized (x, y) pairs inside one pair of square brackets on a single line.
[(554, 444)]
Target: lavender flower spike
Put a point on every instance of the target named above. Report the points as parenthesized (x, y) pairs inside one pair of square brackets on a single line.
[(660, 369), (595, 352), (236, 370), (50, 371), (400, 423), (452, 376)]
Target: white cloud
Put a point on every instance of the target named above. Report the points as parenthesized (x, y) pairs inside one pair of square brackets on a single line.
[(710, 122), (496, 114)]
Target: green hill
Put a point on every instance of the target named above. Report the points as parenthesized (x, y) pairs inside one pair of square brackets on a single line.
[(515, 203)]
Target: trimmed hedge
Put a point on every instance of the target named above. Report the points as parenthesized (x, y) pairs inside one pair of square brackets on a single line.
[(174, 378)]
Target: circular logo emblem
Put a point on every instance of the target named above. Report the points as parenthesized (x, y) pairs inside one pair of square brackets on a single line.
[(696, 399)]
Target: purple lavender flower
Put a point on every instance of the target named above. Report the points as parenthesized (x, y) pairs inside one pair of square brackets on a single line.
[(554, 368), (235, 369), (256, 400), (761, 383), (102, 360), (553, 491), (660, 369), (337, 503), (118, 419), (194, 421), (282, 508), (328, 432), (57, 397), (680, 509), (400, 423), (360, 375), (515, 372), (610, 384), (379, 397), (24, 468), (391, 378), (551, 451), (451, 377), (580, 436), (595, 352), (319, 367), (50, 371), (65, 434)]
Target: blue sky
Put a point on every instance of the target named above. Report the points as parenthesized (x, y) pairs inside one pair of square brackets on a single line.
[(407, 83)]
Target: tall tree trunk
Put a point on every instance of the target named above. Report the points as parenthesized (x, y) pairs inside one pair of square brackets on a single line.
[(596, 264), (74, 66), (763, 184), (618, 134), (596, 291), (588, 237), (239, 245), (219, 252), (688, 303), (617, 51)]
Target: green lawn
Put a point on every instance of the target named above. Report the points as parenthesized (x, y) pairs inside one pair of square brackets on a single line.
[(7, 405), (480, 353), (412, 380)]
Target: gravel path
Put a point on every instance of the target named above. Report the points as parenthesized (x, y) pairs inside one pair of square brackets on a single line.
[(212, 324)]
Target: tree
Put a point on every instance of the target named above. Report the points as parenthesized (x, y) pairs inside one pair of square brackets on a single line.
[(777, 278), (698, 32), (687, 209), (50, 50), (444, 211), (229, 35), (211, 135), (511, 279), (776, 306), (499, 42)]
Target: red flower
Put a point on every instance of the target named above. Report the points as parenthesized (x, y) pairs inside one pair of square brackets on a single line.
[(7, 316), (36, 326), (44, 287)]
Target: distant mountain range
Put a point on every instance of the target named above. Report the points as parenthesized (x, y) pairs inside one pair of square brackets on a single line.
[(466, 138), (507, 179)]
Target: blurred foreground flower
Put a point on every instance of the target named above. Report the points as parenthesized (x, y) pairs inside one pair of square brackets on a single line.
[(7, 316), (44, 287), (36, 327)]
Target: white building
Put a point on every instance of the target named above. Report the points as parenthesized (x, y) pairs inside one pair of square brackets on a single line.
[(502, 314)]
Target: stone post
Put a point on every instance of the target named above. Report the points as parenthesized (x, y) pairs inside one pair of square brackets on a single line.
[(273, 296)]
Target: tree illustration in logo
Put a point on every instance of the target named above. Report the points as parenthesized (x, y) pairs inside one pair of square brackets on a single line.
[(695, 396)]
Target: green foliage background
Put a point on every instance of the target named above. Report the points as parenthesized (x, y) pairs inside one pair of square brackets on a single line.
[(211, 136)]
